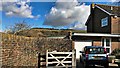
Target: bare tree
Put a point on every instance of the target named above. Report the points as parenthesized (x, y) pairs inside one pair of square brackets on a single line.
[(18, 27)]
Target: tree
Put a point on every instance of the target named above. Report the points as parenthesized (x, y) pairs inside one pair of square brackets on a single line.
[(18, 27)]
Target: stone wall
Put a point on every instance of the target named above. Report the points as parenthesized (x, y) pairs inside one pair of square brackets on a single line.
[(23, 52)]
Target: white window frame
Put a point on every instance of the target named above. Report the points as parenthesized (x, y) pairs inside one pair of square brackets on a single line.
[(104, 22), (105, 44)]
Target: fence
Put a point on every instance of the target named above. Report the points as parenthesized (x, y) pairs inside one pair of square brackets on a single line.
[(60, 59)]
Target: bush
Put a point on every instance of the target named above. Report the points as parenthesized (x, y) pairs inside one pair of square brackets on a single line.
[(110, 58), (118, 56), (116, 52)]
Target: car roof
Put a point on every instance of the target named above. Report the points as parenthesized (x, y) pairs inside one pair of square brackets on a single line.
[(94, 47)]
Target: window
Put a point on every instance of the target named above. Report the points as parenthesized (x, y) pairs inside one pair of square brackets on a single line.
[(104, 22), (119, 39), (108, 50), (107, 42)]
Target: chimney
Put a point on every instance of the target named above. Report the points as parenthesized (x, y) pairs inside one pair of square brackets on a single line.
[(92, 15), (92, 7)]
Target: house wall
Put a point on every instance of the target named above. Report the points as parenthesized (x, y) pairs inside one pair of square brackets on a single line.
[(90, 20), (89, 27), (114, 45), (79, 45), (94, 26), (98, 16), (97, 43), (115, 26), (94, 23)]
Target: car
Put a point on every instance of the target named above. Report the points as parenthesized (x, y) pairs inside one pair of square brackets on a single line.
[(94, 55)]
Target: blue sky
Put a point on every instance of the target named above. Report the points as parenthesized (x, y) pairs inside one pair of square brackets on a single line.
[(38, 8), (39, 14)]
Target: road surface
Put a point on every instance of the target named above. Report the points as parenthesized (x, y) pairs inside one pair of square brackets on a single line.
[(80, 65)]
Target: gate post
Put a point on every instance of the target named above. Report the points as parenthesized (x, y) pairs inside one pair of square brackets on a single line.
[(39, 60), (47, 58), (73, 58)]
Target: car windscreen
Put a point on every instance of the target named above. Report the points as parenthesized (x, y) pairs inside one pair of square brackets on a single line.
[(96, 51)]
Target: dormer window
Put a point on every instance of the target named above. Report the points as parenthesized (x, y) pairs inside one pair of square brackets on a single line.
[(104, 22)]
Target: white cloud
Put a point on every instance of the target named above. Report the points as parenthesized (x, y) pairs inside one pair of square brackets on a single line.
[(18, 9), (66, 13), (1, 30), (115, 0), (8, 0)]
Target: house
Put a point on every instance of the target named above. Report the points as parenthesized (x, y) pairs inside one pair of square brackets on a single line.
[(104, 19), (103, 29)]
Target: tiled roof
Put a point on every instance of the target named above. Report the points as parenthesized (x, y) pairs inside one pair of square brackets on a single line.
[(111, 9)]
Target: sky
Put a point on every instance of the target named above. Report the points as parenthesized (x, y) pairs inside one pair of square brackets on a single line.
[(59, 14)]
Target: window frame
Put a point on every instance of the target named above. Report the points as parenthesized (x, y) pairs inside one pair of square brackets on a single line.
[(103, 40), (104, 22)]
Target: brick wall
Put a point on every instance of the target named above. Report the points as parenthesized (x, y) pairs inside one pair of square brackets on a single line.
[(115, 45), (115, 27), (97, 43), (23, 51)]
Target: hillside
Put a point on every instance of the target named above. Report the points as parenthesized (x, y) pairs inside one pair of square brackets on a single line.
[(46, 32)]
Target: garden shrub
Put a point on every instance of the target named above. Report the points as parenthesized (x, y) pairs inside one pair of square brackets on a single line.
[(116, 51)]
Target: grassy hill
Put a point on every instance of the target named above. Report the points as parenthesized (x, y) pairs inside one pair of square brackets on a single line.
[(46, 32)]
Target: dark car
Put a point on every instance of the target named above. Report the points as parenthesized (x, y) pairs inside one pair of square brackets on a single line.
[(94, 55)]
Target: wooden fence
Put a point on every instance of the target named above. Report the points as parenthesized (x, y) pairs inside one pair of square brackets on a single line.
[(61, 59)]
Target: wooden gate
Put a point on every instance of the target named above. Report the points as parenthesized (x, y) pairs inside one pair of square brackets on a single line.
[(61, 59), (41, 60)]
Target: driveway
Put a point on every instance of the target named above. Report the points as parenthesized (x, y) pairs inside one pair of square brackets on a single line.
[(79, 65)]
